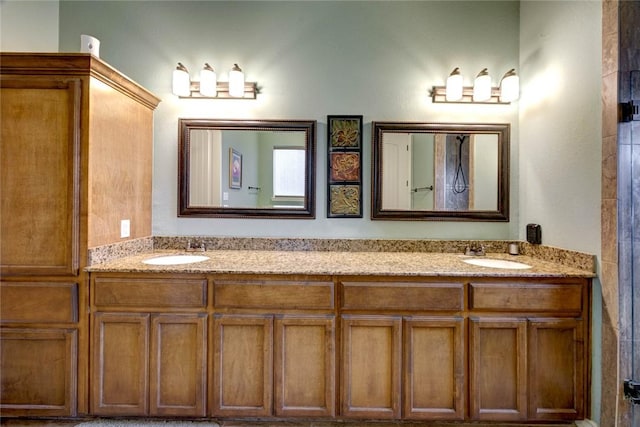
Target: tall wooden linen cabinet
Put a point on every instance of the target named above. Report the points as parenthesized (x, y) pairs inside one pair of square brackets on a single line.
[(76, 148)]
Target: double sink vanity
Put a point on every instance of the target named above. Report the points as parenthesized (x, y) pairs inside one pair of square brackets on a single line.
[(92, 325), (334, 334)]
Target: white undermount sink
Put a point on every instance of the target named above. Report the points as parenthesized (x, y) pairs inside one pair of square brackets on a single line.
[(496, 263), (175, 259)]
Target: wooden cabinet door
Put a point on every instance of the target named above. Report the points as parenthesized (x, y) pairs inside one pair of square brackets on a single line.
[(434, 368), (243, 365), (40, 152), (556, 363), (371, 363), (498, 379), (120, 365), (38, 372), (178, 365), (304, 366)]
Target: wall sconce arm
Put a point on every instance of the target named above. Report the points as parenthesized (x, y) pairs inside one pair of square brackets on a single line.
[(250, 91), (438, 95)]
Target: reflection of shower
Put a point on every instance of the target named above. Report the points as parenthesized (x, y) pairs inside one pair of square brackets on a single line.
[(460, 181)]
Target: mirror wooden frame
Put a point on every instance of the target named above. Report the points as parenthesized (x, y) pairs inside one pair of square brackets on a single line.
[(500, 214), (307, 211)]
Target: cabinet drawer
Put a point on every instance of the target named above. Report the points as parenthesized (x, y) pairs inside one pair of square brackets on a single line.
[(39, 302), (529, 297), (276, 294), (149, 293), (402, 296)]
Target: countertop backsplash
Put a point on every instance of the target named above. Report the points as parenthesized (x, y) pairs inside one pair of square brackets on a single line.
[(115, 251)]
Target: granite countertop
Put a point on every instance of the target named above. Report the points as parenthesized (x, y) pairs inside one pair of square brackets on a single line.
[(427, 264)]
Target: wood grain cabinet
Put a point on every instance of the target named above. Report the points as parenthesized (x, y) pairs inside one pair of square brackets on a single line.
[(38, 347), (76, 157), (149, 346), (403, 360), (380, 348), (557, 361), (498, 369), (279, 361), (534, 335)]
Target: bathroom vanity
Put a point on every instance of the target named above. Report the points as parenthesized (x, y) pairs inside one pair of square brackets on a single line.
[(341, 331), (335, 335), (77, 145)]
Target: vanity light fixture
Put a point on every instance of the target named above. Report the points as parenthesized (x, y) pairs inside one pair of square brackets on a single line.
[(510, 86), (454, 86), (181, 81), (481, 92), (482, 86), (208, 81), (236, 82), (209, 87)]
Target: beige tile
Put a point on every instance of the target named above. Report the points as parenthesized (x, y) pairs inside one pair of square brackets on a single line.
[(609, 53), (609, 369), (609, 168), (610, 310), (610, 105), (610, 16), (609, 231)]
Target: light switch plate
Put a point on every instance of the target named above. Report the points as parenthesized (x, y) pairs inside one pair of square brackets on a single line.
[(125, 228)]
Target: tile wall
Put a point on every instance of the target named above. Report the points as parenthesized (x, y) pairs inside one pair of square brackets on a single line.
[(620, 212)]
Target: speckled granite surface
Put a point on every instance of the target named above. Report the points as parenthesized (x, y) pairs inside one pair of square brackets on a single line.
[(339, 263), (119, 250)]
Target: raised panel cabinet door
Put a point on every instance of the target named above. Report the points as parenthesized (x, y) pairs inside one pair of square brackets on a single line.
[(370, 366), (38, 372), (120, 368), (242, 365), (498, 369), (434, 368), (304, 368), (556, 363), (39, 182), (177, 364)]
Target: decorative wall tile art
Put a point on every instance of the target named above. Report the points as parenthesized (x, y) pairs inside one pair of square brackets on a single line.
[(345, 200), (344, 164), (345, 167)]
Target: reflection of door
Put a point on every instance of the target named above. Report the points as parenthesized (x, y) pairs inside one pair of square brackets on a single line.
[(396, 164), (205, 164)]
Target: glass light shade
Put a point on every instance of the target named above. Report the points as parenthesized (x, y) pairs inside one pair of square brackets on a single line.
[(454, 86), (236, 82), (181, 83), (208, 82), (510, 87), (482, 87)]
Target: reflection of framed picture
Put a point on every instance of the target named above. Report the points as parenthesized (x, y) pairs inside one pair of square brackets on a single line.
[(235, 169)]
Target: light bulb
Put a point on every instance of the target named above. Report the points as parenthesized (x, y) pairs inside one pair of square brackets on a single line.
[(181, 83), (510, 86), (454, 86), (236, 82), (482, 86), (208, 82)]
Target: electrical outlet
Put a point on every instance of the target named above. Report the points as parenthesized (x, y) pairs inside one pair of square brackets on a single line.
[(125, 228)]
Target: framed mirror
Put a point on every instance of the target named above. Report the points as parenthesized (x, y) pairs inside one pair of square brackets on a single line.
[(436, 171), (247, 168)]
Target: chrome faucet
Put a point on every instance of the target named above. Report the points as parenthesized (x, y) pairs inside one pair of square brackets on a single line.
[(195, 248), (474, 249)]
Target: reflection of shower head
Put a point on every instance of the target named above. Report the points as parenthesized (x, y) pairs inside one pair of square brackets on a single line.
[(460, 181)]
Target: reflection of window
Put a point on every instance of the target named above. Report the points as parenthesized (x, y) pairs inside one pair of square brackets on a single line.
[(288, 172)]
